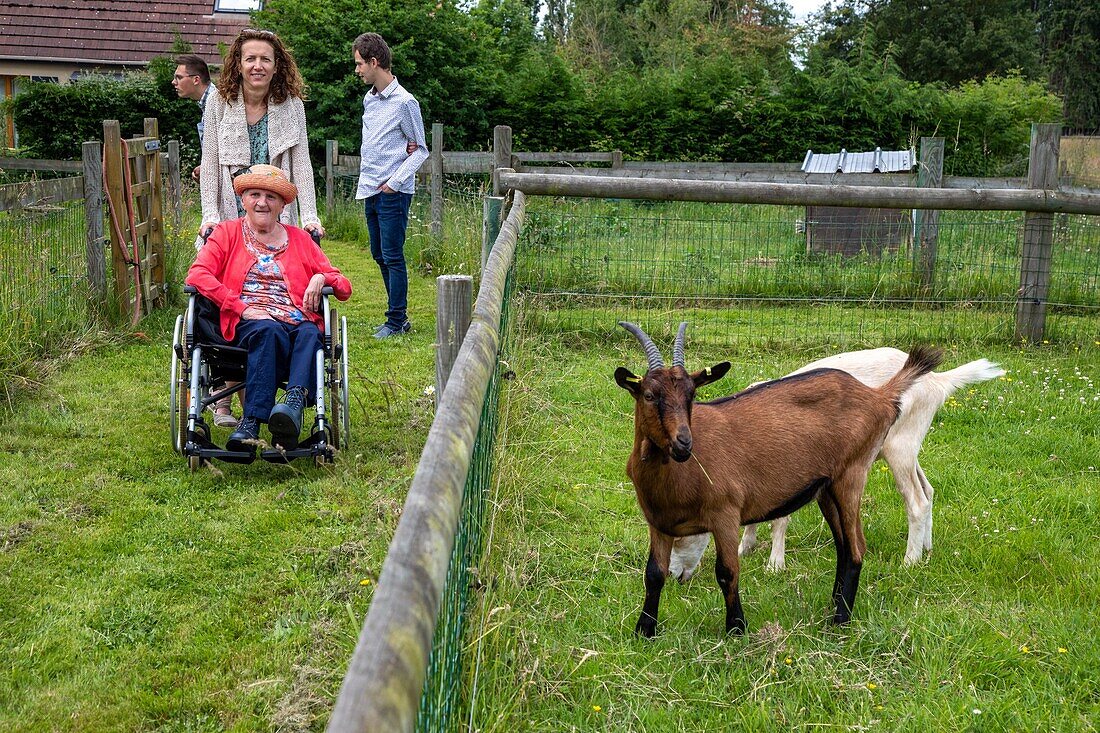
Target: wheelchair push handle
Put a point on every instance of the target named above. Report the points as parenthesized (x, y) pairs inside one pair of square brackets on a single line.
[(315, 235)]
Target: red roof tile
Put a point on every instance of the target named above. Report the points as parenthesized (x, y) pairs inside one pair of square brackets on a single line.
[(112, 32)]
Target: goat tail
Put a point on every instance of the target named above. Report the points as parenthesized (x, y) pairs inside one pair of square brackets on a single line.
[(980, 370), (922, 360)]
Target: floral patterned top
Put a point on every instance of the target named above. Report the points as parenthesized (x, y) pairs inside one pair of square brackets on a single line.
[(264, 286)]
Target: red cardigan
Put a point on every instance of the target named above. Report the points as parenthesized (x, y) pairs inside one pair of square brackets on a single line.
[(223, 262)]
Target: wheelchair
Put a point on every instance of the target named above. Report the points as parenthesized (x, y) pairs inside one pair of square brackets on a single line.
[(203, 364)]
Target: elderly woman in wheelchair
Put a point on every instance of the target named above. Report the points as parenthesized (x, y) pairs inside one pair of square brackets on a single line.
[(266, 281)]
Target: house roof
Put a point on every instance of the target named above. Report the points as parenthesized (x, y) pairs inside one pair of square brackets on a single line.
[(112, 32), (877, 161)]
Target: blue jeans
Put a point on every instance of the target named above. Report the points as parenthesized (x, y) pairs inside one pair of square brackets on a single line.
[(387, 218), (277, 352)]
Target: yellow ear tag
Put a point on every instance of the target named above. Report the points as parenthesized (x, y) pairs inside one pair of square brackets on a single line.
[(636, 380), (707, 370)]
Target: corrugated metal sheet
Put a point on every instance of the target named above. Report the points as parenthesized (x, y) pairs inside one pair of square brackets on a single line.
[(877, 161)]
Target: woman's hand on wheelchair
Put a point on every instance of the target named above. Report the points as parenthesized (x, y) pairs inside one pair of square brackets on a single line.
[(312, 297)]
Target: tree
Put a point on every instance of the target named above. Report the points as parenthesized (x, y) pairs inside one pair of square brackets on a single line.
[(1069, 32)]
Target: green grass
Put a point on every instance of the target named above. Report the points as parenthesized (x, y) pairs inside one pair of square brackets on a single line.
[(137, 596), (996, 630)]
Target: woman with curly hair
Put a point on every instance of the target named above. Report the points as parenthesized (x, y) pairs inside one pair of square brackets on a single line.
[(257, 117)]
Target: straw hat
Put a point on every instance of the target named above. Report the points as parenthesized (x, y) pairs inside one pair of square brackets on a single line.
[(266, 178)]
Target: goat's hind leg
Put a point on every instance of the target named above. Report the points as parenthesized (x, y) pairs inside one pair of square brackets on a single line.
[(840, 505), (656, 569)]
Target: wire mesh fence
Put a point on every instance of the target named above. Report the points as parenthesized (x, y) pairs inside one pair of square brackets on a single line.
[(44, 290), (745, 275), (441, 703)]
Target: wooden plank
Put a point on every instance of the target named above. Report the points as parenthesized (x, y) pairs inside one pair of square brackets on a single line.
[(32, 164), (142, 188), (564, 157), (661, 189), (116, 197), (927, 222), (1037, 250), (453, 298), (92, 154), (14, 196), (502, 155), (381, 689), (155, 243), (332, 154), (175, 192), (139, 146), (436, 167)]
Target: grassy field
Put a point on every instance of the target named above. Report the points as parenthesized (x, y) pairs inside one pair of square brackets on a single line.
[(995, 631), (136, 596)]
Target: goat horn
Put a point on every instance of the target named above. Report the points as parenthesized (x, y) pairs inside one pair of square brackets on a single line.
[(678, 346), (651, 350)]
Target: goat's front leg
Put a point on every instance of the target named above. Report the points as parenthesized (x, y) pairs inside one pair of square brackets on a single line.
[(727, 570), (656, 569)]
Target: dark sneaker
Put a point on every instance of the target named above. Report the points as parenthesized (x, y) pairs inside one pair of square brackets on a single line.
[(386, 330), (285, 422), (248, 430)]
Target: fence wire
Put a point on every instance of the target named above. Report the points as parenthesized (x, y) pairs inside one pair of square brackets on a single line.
[(752, 276), (442, 703), (44, 290)]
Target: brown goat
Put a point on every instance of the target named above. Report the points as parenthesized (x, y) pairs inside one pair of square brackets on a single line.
[(752, 457)]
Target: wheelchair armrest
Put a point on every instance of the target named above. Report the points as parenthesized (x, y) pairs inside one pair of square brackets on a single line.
[(327, 290), (190, 289)]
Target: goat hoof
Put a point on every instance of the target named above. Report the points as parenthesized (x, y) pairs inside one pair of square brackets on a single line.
[(646, 627), (737, 628)]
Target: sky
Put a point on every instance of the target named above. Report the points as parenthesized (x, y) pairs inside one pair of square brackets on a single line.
[(802, 8)]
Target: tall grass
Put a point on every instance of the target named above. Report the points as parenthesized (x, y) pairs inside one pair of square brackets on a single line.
[(996, 630)]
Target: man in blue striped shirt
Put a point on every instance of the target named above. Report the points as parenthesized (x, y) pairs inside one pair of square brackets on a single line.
[(392, 125)]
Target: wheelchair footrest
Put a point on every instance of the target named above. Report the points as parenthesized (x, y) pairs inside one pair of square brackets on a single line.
[(313, 446)]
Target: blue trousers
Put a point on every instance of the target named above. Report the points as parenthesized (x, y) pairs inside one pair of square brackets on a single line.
[(277, 352), (387, 219)]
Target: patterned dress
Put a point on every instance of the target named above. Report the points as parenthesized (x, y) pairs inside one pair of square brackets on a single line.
[(264, 286)]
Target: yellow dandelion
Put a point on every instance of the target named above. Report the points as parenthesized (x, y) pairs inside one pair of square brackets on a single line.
[(1062, 650), (871, 686), (364, 581), (1024, 648), (597, 708), (788, 660), (878, 707)]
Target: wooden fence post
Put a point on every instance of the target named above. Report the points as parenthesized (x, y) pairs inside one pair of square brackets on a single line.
[(155, 276), (616, 159), (453, 299), (92, 153), (927, 224), (174, 184), (436, 166), (116, 197), (502, 154), (1031, 298), (490, 225), (332, 150)]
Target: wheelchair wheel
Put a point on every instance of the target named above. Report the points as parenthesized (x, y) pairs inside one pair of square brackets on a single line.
[(339, 420), (332, 399), (177, 405)]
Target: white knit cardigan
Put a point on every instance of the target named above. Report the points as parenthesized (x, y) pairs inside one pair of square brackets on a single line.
[(225, 149)]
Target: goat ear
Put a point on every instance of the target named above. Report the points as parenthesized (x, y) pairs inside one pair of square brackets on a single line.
[(628, 380), (710, 374)]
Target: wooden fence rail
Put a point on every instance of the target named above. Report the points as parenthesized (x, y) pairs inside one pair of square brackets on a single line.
[(381, 690)]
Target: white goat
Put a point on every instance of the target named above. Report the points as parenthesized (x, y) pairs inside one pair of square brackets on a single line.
[(873, 367)]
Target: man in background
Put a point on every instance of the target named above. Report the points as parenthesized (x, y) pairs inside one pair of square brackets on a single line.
[(394, 147), (192, 81)]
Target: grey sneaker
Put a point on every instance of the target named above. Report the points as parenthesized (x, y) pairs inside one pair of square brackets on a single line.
[(285, 422), (248, 430), (386, 330)]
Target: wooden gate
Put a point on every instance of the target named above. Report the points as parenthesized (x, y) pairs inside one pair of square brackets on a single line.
[(134, 191)]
